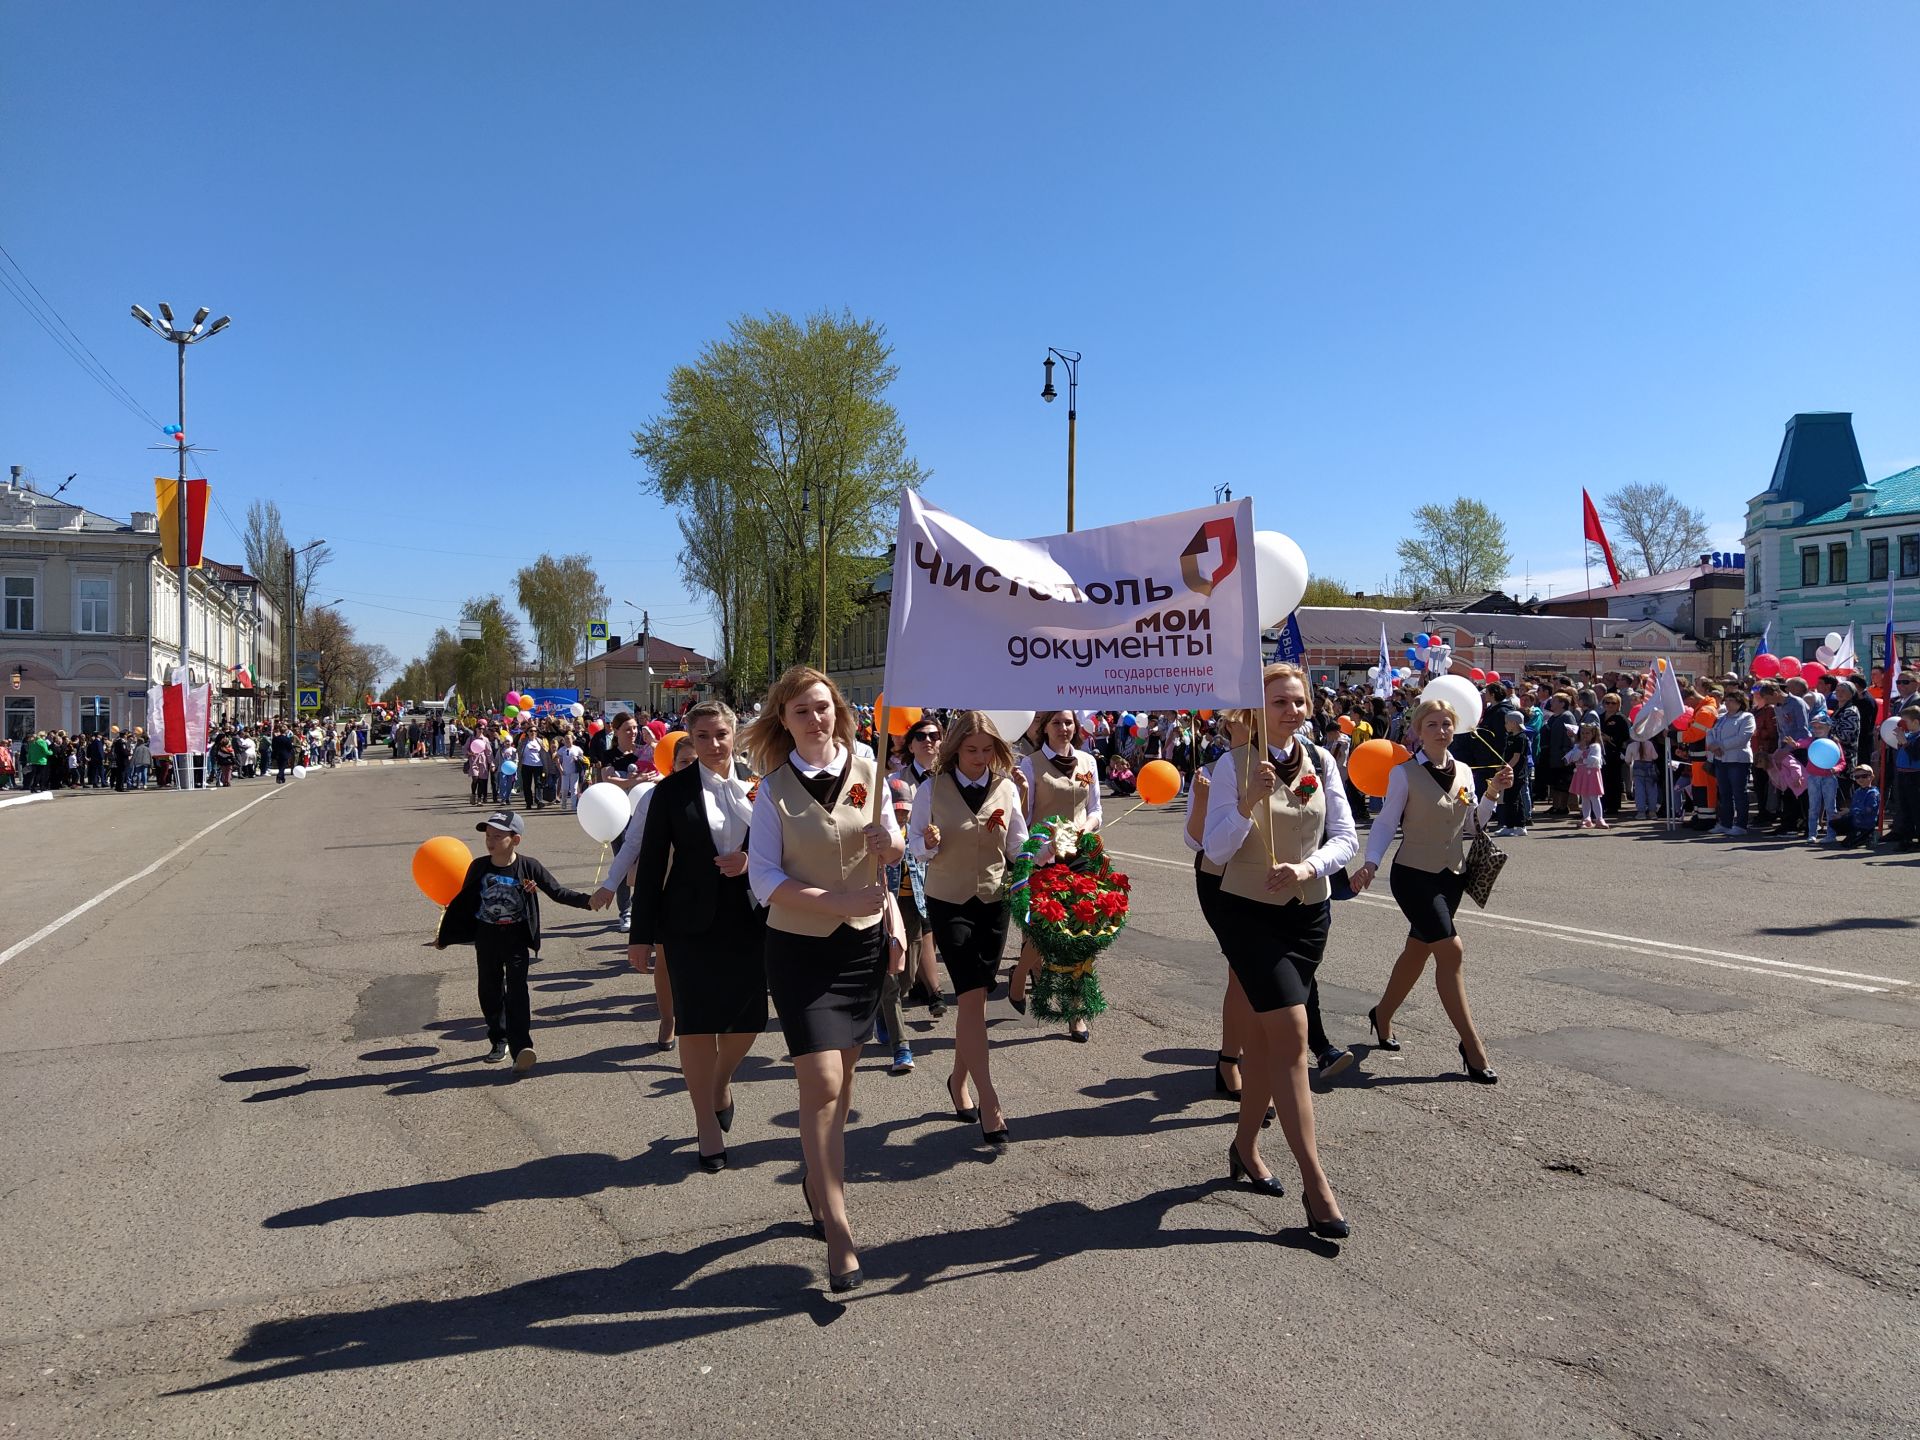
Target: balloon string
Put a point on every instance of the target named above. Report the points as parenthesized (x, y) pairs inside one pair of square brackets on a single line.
[(1107, 824), (600, 866)]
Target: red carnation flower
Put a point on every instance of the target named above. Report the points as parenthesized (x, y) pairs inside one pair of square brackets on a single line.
[(1086, 912), (1050, 910)]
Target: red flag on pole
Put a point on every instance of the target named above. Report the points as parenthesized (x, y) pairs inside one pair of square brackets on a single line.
[(1598, 536)]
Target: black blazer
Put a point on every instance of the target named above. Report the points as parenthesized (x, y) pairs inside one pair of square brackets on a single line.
[(685, 898)]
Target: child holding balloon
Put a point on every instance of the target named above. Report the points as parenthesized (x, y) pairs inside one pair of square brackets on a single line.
[(1823, 780)]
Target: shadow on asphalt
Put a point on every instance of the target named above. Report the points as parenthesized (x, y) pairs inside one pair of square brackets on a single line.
[(668, 1297)]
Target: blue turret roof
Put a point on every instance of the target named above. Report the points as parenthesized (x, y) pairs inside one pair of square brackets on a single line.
[(1819, 463)]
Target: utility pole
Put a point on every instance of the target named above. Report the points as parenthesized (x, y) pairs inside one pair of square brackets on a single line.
[(292, 635)]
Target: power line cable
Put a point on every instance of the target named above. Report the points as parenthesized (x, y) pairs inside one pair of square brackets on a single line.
[(92, 366)]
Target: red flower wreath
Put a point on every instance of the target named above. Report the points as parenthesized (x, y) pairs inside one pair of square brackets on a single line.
[(857, 796)]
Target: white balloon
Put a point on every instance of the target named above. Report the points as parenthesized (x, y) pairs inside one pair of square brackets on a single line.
[(638, 794), (1890, 730), (1373, 672), (604, 812), (1011, 724), (299, 772), (576, 709), (1824, 654), (1279, 576), (1833, 640), (1459, 692)]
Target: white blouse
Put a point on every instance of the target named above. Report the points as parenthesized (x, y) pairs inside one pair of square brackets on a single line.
[(1387, 823), (1227, 829), (764, 871)]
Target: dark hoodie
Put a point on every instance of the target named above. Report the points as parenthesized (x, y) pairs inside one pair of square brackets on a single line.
[(460, 920)]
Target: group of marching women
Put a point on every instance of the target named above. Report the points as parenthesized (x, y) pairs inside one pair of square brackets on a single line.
[(782, 885)]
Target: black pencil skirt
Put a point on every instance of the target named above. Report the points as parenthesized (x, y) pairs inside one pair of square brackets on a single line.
[(1206, 888), (1428, 899), (969, 937), (720, 974), (1274, 949), (826, 988)]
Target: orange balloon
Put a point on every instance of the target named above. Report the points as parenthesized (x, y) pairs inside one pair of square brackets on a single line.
[(899, 721), (1206, 714), (1347, 723), (440, 868), (663, 750), (1369, 763), (1157, 782)]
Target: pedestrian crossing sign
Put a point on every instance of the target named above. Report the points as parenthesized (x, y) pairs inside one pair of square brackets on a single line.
[(308, 699), (596, 630)]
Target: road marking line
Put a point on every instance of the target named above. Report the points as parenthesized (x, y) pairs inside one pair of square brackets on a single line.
[(1662, 949), (44, 931), (1778, 969), (25, 799)]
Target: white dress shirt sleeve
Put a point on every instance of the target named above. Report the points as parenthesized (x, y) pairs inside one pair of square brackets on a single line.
[(628, 854), (918, 821), (1226, 829), (1387, 823), (1342, 840)]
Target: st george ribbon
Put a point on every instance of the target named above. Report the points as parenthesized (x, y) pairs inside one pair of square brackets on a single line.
[(1158, 612)]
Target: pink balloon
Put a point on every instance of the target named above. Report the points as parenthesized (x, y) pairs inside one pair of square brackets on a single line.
[(1812, 671), (1789, 666), (1765, 667), (513, 698)]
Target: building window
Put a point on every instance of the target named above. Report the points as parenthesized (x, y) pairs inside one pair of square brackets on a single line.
[(1837, 564), (95, 714), (1809, 567), (20, 717), (1909, 555), (92, 609), (17, 613), (1877, 559), (1753, 575)]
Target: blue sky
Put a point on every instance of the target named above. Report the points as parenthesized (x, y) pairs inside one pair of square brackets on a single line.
[(1346, 258)]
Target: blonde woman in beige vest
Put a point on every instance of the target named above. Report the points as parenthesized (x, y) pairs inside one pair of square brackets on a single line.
[(1429, 799), (1264, 826), (967, 824), (817, 860), (1057, 781)]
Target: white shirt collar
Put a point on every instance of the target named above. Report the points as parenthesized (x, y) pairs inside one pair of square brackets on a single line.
[(1051, 753), (979, 784), (832, 767)]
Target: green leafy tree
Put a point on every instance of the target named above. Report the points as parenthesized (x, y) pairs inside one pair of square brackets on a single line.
[(1457, 547), (487, 665), (560, 597), (1325, 590), (1655, 523), (787, 424)]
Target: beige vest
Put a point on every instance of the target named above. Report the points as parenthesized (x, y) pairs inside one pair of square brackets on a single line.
[(1297, 827), (1432, 825), (822, 850), (972, 859), (1057, 796)]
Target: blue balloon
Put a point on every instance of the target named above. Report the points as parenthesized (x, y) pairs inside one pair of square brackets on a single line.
[(1422, 641), (508, 767), (1412, 655), (1419, 664), (1825, 753)]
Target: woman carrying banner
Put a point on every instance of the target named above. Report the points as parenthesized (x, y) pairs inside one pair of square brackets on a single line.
[(816, 857), (1429, 798), (1278, 834), (1061, 783), (966, 824)]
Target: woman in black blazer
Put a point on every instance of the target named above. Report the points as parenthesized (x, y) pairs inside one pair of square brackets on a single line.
[(690, 897)]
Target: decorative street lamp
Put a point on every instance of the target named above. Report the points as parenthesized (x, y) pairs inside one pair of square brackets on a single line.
[(1070, 359)]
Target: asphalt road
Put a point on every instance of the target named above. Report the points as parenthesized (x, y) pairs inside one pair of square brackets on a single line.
[(259, 1185)]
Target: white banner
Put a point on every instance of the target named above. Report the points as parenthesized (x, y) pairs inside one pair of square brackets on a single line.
[(1158, 613)]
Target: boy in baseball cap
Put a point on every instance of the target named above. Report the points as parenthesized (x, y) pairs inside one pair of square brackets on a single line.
[(498, 912)]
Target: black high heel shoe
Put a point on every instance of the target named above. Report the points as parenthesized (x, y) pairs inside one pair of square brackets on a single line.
[(1325, 1229), (724, 1118), (852, 1280), (996, 1138), (970, 1114), (1237, 1170), (1488, 1076), (1219, 1080), (714, 1164), (1380, 1041)]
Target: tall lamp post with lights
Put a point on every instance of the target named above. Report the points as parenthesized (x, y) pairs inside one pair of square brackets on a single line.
[(1070, 359), (181, 337)]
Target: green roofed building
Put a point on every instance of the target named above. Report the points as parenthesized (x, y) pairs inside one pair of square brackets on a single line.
[(1822, 542)]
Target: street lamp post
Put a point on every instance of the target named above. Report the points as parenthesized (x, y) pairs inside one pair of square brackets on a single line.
[(1070, 359), (1493, 639), (180, 338), (287, 706)]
